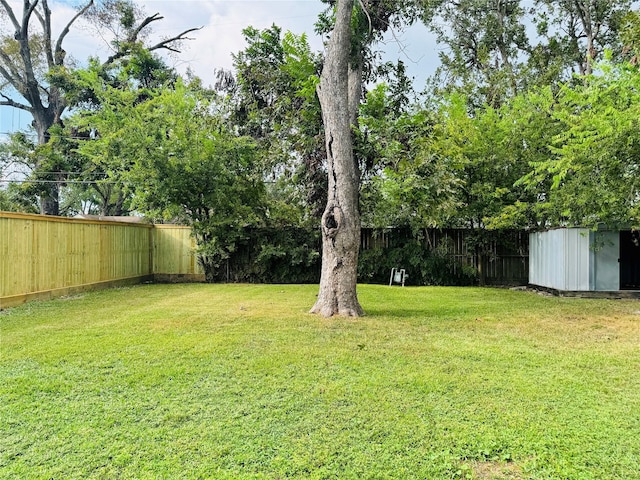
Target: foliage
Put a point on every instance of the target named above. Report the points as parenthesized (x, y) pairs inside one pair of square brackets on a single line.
[(592, 172), (492, 55), (275, 102), (486, 44), (175, 152), (630, 34), (239, 382), (451, 168), (578, 32), (274, 255), (424, 266), (407, 183), (549, 156), (12, 200), (36, 70), (443, 256), (45, 167)]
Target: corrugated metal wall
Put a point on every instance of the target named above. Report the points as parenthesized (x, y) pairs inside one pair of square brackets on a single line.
[(559, 259), (574, 259)]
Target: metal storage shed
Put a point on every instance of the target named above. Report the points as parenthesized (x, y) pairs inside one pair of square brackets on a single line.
[(581, 260)]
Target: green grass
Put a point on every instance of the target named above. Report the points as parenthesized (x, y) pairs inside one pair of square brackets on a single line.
[(239, 382)]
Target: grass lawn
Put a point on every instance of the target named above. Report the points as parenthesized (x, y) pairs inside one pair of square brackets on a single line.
[(239, 382)]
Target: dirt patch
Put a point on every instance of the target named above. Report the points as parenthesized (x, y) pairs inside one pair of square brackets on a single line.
[(497, 471)]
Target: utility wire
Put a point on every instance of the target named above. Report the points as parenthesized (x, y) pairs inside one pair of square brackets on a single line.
[(93, 174), (77, 182), (34, 135)]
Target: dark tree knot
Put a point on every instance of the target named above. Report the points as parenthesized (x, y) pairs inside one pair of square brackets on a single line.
[(332, 220)]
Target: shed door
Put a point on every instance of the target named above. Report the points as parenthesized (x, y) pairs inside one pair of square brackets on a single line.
[(629, 260)]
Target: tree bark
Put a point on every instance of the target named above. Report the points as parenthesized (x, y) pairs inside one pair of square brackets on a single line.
[(339, 94)]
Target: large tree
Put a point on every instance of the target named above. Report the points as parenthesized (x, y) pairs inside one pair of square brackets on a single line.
[(339, 93), (590, 176), (486, 44), (579, 31), (412, 182), (275, 102), (30, 56), (491, 53), (355, 27)]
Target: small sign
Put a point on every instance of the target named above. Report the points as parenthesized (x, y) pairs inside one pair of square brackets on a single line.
[(398, 275)]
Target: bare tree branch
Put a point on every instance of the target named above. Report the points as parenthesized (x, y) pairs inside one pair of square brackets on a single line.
[(29, 84), (132, 38), (59, 52), (134, 35), (8, 102), (182, 36), (164, 44), (26, 15), (40, 17), (46, 26), (11, 15), (365, 6)]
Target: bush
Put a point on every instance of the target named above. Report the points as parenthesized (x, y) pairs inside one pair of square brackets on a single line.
[(293, 255), (274, 255), (423, 265)]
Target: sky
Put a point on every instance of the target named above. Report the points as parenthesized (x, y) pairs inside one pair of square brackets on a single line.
[(222, 22)]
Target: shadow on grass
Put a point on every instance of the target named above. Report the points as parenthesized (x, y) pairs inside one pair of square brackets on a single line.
[(395, 312)]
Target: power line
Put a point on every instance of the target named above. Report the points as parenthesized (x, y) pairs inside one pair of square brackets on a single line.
[(34, 135), (77, 182), (39, 172)]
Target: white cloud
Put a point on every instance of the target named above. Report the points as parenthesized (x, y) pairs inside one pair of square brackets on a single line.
[(222, 23)]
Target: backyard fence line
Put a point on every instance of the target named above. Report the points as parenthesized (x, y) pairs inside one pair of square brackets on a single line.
[(43, 257)]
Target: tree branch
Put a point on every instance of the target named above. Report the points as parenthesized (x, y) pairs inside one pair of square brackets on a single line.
[(46, 26), (132, 38), (59, 53), (8, 102), (364, 9), (14, 77), (11, 15), (29, 84), (134, 35), (164, 44), (182, 36), (26, 15)]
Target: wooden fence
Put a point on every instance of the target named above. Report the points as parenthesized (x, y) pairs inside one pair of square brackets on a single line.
[(43, 257), (174, 257), (500, 257)]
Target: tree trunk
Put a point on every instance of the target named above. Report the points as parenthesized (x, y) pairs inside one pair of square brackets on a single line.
[(43, 119), (339, 85), (50, 200)]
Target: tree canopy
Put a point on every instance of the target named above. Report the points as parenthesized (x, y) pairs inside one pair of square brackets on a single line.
[(182, 161), (34, 64)]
